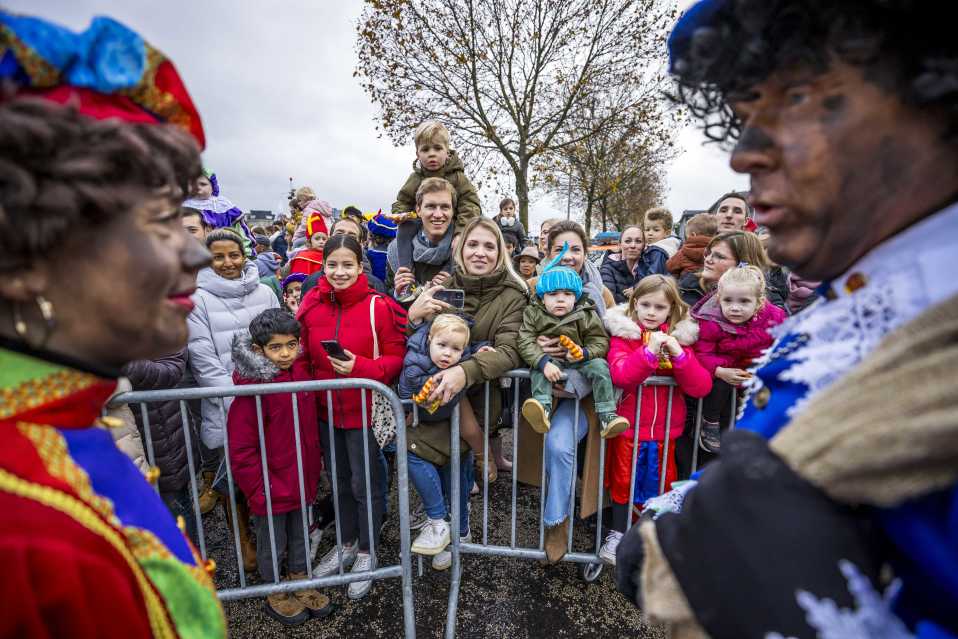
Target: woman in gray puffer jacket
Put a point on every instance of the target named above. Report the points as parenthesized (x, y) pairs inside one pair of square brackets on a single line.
[(228, 297)]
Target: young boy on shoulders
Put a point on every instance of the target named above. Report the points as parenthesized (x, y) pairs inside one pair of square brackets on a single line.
[(690, 257), (434, 158)]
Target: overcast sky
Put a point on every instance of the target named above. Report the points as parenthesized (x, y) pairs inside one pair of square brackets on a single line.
[(273, 83)]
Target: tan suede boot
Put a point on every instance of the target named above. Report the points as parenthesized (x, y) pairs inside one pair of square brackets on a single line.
[(317, 604), (247, 547), (556, 541), (208, 497), (286, 609)]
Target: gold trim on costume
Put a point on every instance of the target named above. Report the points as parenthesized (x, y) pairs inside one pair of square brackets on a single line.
[(160, 623)]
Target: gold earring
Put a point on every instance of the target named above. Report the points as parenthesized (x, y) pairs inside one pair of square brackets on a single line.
[(46, 312)]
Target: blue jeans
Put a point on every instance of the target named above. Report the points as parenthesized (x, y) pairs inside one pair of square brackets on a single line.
[(561, 443), (434, 487)]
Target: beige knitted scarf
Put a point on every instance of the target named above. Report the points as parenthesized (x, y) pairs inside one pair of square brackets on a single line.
[(888, 430)]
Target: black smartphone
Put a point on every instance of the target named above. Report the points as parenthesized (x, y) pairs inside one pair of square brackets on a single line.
[(334, 350), (455, 297)]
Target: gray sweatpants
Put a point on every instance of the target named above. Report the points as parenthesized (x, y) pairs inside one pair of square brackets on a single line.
[(288, 529)]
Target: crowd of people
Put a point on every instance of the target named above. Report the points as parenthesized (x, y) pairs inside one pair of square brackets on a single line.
[(466, 299), (830, 487)]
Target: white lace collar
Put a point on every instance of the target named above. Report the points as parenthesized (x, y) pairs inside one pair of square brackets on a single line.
[(904, 276)]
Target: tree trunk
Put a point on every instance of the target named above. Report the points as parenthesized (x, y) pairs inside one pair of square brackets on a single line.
[(522, 192), (604, 210), (588, 218)]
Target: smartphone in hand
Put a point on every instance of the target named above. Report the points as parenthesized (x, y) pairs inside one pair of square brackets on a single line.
[(334, 350), (455, 297)]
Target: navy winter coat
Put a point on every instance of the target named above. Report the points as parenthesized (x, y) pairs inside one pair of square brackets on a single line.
[(417, 367)]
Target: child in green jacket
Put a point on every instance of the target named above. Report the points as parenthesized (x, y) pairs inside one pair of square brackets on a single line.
[(434, 158), (561, 311)]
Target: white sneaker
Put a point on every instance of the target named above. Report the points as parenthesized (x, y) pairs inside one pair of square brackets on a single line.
[(329, 564), (433, 538), (359, 589), (443, 560), (607, 551)]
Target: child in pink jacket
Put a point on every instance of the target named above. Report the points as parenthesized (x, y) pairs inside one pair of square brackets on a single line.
[(734, 325), (642, 345)]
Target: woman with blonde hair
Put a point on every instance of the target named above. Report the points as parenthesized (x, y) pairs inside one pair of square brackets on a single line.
[(495, 297)]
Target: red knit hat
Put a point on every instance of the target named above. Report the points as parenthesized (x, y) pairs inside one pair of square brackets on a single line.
[(315, 223)]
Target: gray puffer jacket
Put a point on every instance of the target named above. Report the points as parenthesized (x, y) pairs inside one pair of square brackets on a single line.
[(223, 308)]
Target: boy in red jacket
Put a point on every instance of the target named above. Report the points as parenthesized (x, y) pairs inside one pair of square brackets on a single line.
[(266, 356), (690, 257)]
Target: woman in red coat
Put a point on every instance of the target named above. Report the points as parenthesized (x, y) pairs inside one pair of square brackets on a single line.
[(343, 308)]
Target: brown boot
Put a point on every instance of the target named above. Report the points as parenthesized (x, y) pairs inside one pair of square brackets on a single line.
[(317, 604), (286, 609), (208, 497), (557, 540), (247, 547)]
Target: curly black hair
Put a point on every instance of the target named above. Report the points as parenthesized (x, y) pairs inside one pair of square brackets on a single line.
[(905, 46), (61, 170)]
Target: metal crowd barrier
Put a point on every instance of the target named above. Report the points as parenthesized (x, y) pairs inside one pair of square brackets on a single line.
[(591, 562), (403, 570)]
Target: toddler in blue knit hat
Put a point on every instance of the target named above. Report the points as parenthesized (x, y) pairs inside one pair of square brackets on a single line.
[(560, 310)]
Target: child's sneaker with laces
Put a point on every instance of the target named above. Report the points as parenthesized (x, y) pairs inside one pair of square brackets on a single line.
[(612, 424), (359, 589), (433, 539), (443, 560), (607, 551), (329, 564), (418, 518)]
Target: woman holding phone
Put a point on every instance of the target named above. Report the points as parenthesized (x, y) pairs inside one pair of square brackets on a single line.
[(342, 321)]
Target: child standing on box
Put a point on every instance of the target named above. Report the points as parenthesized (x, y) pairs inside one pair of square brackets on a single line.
[(266, 356), (650, 336), (560, 310), (437, 346), (434, 158), (733, 331)]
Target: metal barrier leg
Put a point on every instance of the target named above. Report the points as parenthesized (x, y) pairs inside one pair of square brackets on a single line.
[(695, 438), (485, 460), (405, 541), (302, 484), (266, 487), (515, 459), (189, 461), (233, 516), (334, 480), (665, 443), (456, 575)]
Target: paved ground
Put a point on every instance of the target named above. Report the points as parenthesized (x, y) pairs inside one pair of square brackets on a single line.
[(500, 597)]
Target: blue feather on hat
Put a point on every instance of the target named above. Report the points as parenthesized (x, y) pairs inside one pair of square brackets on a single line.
[(559, 278)]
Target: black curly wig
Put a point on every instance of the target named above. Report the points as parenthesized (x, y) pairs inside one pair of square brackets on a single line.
[(904, 46)]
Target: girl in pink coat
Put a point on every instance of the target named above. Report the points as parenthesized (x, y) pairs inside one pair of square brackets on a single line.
[(649, 336), (734, 325)]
